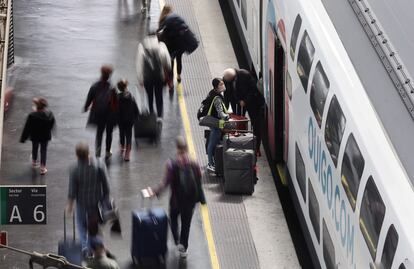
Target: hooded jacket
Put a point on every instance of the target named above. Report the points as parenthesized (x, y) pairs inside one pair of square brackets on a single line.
[(38, 127), (128, 109)]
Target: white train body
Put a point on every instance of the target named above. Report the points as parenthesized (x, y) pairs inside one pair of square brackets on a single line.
[(354, 194)]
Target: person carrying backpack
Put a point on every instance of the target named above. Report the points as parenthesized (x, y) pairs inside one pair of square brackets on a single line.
[(218, 110), (183, 175), (153, 63)]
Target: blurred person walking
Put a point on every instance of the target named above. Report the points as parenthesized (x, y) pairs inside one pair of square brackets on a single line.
[(88, 185), (153, 66), (183, 176), (128, 112), (174, 31), (103, 104), (38, 128)]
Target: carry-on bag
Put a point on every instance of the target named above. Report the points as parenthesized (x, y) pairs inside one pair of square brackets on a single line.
[(70, 249), (146, 125), (239, 171), (239, 141), (149, 233)]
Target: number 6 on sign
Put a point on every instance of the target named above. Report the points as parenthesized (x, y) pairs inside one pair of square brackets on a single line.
[(38, 214)]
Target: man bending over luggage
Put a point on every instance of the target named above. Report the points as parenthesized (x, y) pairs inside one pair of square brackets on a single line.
[(183, 175)]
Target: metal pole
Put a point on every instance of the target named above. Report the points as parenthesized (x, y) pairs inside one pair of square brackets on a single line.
[(4, 73)]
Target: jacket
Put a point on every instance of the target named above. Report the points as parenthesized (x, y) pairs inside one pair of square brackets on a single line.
[(172, 181), (39, 126), (128, 109), (150, 53), (244, 87), (170, 31), (102, 98), (218, 109)]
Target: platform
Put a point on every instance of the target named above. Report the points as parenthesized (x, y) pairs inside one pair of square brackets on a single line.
[(60, 47)]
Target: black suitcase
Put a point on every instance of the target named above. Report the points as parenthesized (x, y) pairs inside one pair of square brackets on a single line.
[(70, 249), (218, 158), (147, 125), (239, 171)]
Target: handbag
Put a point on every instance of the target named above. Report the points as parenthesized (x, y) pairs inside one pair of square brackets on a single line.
[(107, 210)]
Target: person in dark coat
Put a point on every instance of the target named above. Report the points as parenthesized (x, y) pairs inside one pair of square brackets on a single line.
[(128, 112), (103, 104), (38, 128), (169, 28), (243, 94)]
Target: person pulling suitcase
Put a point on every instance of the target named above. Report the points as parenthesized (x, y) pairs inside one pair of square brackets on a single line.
[(184, 178)]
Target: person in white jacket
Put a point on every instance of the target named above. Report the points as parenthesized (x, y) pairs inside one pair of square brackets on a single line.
[(153, 65)]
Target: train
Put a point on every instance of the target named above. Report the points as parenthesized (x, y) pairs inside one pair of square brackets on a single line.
[(347, 164)]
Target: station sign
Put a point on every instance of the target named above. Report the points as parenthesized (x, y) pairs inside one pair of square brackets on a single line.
[(25, 204), (3, 238)]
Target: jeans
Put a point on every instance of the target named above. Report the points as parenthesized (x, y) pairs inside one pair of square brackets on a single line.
[(186, 213), (82, 225), (43, 151), (214, 139), (125, 134), (154, 85), (99, 134)]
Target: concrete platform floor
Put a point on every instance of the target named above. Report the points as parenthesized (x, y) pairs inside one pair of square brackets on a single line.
[(60, 46)]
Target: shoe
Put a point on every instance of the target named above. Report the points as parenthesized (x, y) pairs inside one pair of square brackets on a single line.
[(43, 170), (211, 168), (108, 155), (127, 152), (179, 78), (35, 164), (86, 254), (182, 251)]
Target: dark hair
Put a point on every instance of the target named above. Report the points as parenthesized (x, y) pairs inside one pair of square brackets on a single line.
[(40, 102), (82, 151), (122, 84), (216, 82)]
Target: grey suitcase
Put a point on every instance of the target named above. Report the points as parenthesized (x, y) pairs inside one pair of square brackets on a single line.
[(241, 141), (239, 172)]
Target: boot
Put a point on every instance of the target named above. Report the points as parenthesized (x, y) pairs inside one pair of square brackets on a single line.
[(127, 152)]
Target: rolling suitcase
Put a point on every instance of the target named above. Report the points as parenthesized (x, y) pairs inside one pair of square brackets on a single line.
[(239, 171), (147, 125), (149, 234), (218, 158), (239, 141), (241, 122), (70, 249)]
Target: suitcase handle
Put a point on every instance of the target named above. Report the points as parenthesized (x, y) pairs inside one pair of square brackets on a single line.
[(73, 226)]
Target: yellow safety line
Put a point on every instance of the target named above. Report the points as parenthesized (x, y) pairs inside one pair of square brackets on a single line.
[(189, 136), (282, 174)]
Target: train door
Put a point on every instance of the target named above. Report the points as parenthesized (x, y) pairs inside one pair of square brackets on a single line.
[(276, 100)]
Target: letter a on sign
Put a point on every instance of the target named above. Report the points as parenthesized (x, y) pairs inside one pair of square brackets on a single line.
[(15, 214), (3, 238)]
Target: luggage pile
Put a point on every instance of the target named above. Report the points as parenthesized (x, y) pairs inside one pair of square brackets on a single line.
[(235, 158)]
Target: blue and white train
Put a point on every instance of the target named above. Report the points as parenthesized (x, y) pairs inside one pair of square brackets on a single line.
[(340, 119)]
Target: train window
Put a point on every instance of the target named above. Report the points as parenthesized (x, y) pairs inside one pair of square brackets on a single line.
[(402, 266), (244, 12), (352, 167), (390, 246), (328, 248), (319, 91), (372, 216), (334, 129), (300, 172), (305, 59), (289, 85), (314, 211), (294, 37)]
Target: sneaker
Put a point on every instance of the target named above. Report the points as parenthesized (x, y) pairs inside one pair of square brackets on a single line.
[(211, 168), (43, 170), (35, 164), (108, 155), (182, 251)]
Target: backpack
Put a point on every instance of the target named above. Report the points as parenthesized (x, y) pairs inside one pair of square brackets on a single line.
[(152, 64), (205, 105), (186, 184)]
